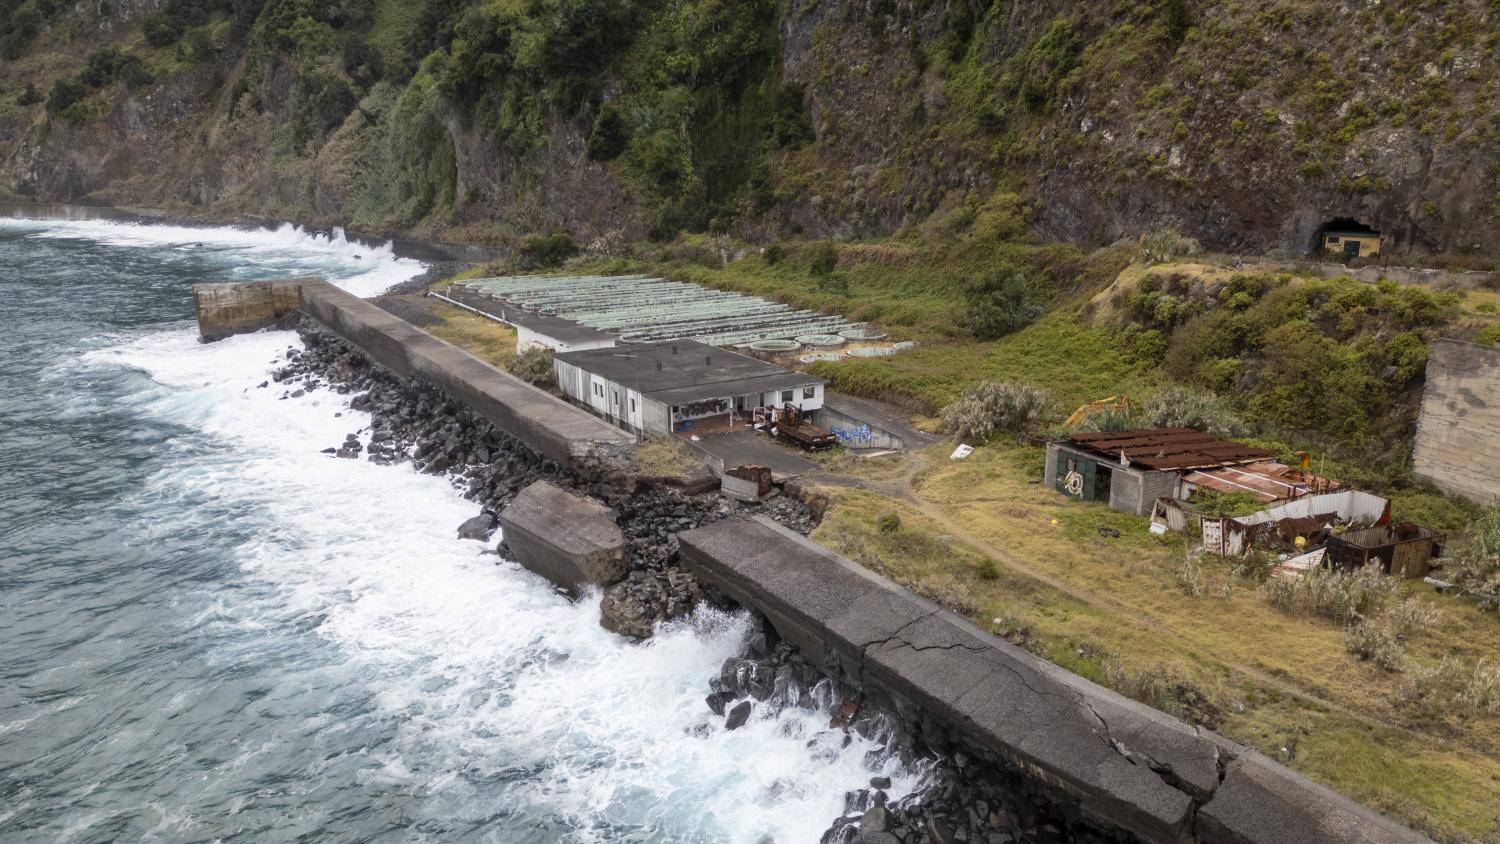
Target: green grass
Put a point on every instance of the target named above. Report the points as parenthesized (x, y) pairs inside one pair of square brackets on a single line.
[(393, 20)]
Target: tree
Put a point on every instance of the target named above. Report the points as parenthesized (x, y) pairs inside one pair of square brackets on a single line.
[(825, 258), (610, 134), (999, 304), (29, 96)]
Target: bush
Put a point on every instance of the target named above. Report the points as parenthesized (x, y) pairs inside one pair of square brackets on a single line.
[(888, 523), (1375, 642), (65, 92), (1159, 247), (99, 70), (133, 72), (988, 570), (610, 135), (1181, 407), (774, 254), (1489, 335), (1476, 564), (534, 366), (1343, 596), (1451, 686), (1000, 303), (546, 250), (29, 96), (994, 408), (825, 258)]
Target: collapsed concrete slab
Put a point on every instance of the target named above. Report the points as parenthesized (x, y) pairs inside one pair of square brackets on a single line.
[(225, 310), (542, 421), (570, 540), (1121, 764)]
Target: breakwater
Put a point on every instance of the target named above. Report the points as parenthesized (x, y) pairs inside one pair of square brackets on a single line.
[(1048, 755)]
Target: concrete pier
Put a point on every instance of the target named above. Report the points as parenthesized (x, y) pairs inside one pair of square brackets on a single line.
[(1121, 764), (225, 310), (570, 540)]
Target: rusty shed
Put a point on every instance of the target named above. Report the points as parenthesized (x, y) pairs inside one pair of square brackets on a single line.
[(1403, 550), (1131, 469)]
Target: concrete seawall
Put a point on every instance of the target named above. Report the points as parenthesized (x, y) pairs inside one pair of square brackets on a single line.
[(1122, 765), (542, 421)]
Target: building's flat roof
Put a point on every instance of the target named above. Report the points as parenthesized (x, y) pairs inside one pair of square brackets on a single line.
[(685, 371), (1168, 449), (557, 328)]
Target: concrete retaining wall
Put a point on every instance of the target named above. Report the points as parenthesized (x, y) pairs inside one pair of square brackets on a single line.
[(1123, 765), (542, 421), (228, 309), (1458, 432)]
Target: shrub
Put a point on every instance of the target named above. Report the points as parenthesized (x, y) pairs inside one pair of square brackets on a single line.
[(29, 96), (1181, 407), (65, 92), (994, 408), (825, 258), (999, 304), (610, 135), (534, 366), (1451, 686), (774, 254), (988, 570), (549, 250), (1343, 596), (1489, 335), (888, 523), (1476, 564), (99, 70), (1375, 642), (1165, 245), (133, 72)]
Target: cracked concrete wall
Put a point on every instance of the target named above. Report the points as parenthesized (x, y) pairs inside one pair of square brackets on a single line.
[(1458, 433), (1125, 767)]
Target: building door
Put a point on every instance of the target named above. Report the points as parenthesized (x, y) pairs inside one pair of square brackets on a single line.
[(1351, 248)]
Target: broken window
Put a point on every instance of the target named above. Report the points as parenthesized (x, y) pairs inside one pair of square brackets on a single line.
[(786, 396), (809, 392)]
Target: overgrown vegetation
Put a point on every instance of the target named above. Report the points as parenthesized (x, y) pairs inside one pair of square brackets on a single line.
[(994, 408), (1476, 563)]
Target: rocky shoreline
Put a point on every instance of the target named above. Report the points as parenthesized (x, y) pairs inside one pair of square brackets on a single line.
[(962, 799)]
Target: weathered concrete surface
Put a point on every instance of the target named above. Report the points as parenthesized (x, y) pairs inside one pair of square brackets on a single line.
[(1458, 433), (225, 310), (542, 421), (1261, 801), (570, 540), (1127, 766)]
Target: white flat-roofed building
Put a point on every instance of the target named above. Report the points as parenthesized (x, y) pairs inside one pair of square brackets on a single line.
[(656, 387)]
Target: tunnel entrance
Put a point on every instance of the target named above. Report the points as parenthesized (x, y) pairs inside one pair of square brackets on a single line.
[(1348, 239)]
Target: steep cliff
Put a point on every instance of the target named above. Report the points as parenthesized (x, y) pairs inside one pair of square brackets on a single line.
[(1249, 124)]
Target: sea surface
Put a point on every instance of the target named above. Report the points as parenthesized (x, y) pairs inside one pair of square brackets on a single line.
[(211, 631)]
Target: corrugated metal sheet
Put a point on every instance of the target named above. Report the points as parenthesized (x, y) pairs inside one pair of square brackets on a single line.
[(1167, 449), (1267, 481)]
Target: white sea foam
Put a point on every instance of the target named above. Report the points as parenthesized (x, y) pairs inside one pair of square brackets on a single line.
[(510, 707), (247, 253)]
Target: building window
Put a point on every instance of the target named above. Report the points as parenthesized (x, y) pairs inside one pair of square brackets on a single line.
[(809, 392), (632, 405), (786, 396), (598, 389), (1333, 238)]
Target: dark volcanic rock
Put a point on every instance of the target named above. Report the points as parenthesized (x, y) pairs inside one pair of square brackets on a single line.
[(479, 527), (738, 715)]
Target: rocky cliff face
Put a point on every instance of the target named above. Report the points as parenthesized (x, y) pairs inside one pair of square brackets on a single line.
[(1249, 124)]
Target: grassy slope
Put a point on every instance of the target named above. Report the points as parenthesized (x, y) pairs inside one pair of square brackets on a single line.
[(1113, 610)]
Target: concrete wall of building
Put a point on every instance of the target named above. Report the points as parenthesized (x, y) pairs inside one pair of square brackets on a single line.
[(542, 421), (1458, 432), (1119, 764), (225, 310), (856, 433)]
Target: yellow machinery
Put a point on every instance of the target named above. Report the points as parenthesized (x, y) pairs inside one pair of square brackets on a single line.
[(1120, 403)]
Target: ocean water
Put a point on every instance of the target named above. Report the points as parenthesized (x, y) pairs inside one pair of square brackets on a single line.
[(210, 631)]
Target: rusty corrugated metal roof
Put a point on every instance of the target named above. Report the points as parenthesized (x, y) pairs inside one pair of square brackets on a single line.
[(1169, 449), (1267, 481)]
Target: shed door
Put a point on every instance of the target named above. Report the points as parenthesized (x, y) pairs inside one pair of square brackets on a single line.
[(1351, 248)]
